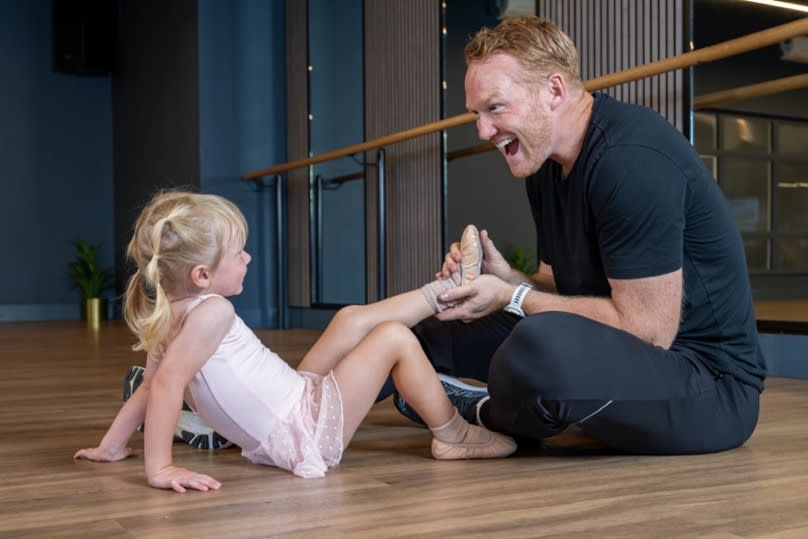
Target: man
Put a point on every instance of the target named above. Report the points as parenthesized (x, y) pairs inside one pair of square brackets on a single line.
[(638, 325)]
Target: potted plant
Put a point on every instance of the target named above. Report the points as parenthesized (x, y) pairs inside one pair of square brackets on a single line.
[(91, 279)]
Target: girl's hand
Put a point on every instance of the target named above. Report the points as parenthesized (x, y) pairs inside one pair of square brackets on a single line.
[(101, 455), (180, 479)]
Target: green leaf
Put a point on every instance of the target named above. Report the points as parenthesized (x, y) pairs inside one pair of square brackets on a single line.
[(86, 274), (522, 259)]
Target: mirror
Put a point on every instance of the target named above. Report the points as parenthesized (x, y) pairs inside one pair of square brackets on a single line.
[(336, 120), (756, 147)]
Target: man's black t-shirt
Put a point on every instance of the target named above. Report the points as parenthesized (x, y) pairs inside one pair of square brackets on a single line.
[(639, 202)]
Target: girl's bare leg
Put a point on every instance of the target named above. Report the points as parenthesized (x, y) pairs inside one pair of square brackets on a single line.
[(391, 348), (351, 324)]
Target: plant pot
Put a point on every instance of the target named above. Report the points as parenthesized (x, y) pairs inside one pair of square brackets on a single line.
[(94, 310)]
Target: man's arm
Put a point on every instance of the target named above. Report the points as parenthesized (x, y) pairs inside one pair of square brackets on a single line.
[(648, 308), (543, 279)]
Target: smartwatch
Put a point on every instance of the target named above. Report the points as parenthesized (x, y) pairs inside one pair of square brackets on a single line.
[(518, 297)]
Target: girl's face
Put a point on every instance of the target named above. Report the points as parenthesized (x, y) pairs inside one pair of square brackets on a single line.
[(228, 278)]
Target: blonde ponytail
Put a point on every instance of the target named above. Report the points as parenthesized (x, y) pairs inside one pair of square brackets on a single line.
[(175, 232)]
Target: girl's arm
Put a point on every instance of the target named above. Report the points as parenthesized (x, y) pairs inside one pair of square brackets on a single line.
[(197, 340), (113, 445)]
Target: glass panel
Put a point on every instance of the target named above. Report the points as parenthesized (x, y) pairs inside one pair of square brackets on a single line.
[(336, 108), (791, 254), (711, 162), (704, 132), (791, 140), (745, 134), (745, 183), (757, 254), (792, 197)]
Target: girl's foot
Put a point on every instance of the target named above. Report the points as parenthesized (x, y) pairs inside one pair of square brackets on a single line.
[(472, 251), (458, 439), (479, 443)]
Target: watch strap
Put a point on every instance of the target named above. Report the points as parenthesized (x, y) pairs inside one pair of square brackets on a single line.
[(518, 297)]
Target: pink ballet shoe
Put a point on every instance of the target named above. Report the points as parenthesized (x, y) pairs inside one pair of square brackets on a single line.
[(472, 251), (479, 443)]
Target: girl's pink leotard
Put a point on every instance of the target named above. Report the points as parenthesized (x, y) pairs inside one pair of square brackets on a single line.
[(278, 416)]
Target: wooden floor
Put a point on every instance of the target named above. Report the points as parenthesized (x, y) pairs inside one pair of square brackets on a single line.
[(60, 386)]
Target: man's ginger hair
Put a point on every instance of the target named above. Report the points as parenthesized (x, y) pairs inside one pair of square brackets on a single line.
[(540, 46)]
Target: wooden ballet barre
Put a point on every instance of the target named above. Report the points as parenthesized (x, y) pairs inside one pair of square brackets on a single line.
[(425, 129), (733, 47), (728, 48), (471, 150), (760, 89)]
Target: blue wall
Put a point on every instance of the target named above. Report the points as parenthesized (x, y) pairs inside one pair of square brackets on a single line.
[(785, 354), (56, 159), (336, 102)]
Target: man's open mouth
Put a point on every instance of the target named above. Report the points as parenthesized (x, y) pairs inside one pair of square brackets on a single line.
[(509, 145)]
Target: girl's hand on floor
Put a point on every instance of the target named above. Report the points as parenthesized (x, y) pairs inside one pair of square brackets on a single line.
[(102, 455), (180, 479)]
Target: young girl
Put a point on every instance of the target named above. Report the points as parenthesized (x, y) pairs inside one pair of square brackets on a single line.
[(189, 251)]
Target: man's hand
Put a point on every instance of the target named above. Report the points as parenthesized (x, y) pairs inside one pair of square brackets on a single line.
[(484, 295), (102, 455), (493, 262), (180, 479)]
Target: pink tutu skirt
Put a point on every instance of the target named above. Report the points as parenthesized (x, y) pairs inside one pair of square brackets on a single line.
[(309, 440)]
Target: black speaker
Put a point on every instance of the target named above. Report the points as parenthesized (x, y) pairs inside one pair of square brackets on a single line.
[(85, 35)]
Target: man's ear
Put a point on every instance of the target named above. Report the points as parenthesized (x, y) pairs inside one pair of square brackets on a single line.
[(557, 86), (200, 276)]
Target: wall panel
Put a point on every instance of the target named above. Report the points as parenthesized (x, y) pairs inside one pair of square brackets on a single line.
[(614, 35), (298, 285), (402, 91)]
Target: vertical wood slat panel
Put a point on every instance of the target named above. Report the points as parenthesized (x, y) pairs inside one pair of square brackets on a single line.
[(402, 91), (614, 35), (297, 124)]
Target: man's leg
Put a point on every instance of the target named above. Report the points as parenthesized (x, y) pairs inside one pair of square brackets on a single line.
[(464, 349), (558, 369), (458, 349)]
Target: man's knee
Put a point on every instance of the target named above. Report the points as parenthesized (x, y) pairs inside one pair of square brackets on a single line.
[(537, 355), (463, 349)]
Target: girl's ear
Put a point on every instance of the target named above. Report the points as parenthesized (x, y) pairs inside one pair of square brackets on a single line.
[(200, 276)]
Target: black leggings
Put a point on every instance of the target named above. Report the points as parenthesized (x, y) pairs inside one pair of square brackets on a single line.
[(555, 369)]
